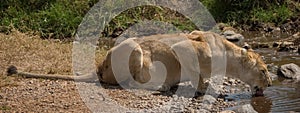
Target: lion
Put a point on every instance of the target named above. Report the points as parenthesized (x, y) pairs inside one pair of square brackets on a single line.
[(159, 62), (243, 64)]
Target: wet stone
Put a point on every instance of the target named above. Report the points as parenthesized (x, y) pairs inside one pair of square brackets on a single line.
[(291, 71), (244, 109), (208, 99), (273, 76), (227, 111)]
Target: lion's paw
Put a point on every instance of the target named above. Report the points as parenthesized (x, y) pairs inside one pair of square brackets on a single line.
[(164, 88)]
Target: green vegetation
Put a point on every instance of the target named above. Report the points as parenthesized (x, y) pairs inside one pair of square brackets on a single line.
[(276, 14), (247, 11), (60, 18), (134, 15), (48, 18)]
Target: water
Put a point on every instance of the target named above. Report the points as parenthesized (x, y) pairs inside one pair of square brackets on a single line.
[(283, 96), (278, 98), (279, 58)]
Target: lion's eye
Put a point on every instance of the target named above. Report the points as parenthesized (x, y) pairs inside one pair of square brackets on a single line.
[(264, 73)]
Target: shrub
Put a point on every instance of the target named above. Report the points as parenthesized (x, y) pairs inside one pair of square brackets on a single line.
[(276, 14), (243, 11), (49, 18), (60, 18)]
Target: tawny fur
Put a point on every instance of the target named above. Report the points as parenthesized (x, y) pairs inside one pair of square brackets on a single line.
[(241, 63), (245, 65)]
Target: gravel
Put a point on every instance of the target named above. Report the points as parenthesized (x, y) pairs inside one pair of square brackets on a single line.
[(40, 95)]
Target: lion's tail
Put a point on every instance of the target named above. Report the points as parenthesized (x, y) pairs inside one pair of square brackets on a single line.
[(12, 70)]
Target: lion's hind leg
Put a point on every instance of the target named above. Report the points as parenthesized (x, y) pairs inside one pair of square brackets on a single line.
[(199, 84)]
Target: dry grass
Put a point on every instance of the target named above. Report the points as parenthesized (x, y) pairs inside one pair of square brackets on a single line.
[(32, 54)]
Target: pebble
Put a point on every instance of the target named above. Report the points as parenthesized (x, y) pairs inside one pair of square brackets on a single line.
[(227, 111), (92, 97), (128, 99), (274, 59), (31, 82), (208, 99), (226, 83), (203, 111), (175, 97)]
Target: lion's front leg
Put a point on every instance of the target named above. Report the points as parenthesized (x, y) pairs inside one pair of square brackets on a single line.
[(199, 84), (157, 87)]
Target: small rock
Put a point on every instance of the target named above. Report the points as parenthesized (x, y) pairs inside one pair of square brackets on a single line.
[(286, 46), (92, 97), (234, 37), (286, 43), (175, 97), (297, 35), (226, 83), (273, 76), (244, 109), (264, 45), (274, 59), (205, 106), (1, 97), (227, 111), (246, 46), (31, 82), (228, 33), (272, 68), (276, 44), (208, 99), (238, 81), (232, 90), (277, 29), (291, 71), (231, 81), (202, 111)]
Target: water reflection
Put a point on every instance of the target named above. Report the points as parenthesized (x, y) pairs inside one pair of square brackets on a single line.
[(279, 98), (261, 104)]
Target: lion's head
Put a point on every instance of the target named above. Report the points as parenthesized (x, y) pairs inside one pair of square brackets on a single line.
[(249, 67), (113, 69), (105, 71), (255, 72)]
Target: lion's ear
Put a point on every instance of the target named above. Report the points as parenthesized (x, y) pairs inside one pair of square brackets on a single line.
[(246, 46), (193, 37), (244, 52), (196, 35), (196, 32)]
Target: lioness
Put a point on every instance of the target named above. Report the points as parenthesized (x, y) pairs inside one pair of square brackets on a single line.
[(243, 64), (156, 62)]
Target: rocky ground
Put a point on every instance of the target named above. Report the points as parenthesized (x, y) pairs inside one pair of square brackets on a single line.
[(40, 95), (37, 95)]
